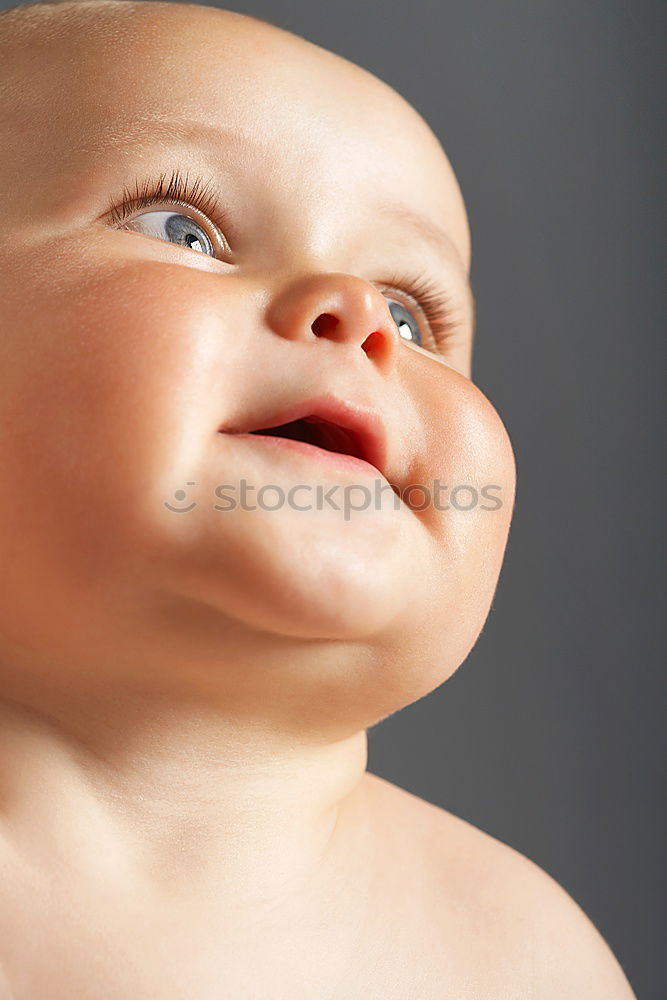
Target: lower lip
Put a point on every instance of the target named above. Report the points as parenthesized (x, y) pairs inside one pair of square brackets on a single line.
[(349, 462)]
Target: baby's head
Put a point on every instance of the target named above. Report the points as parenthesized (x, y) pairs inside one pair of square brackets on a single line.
[(211, 226)]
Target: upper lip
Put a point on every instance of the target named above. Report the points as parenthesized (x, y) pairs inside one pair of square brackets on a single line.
[(354, 429)]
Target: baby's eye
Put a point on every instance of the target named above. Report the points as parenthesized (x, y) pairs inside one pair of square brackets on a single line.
[(175, 227), (408, 327)]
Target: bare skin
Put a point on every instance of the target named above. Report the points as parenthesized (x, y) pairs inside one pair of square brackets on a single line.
[(184, 802)]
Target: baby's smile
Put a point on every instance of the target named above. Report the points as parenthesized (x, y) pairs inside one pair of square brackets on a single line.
[(329, 426)]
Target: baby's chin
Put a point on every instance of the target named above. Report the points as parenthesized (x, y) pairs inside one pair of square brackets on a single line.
[(343, 574)]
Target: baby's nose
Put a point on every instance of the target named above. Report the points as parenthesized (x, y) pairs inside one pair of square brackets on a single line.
[(339, 307)]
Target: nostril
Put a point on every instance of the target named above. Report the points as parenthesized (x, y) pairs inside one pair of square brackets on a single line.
[(324, 324), (373, 344)]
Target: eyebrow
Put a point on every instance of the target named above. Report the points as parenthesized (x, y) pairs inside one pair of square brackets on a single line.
[(429, 231), (147, 128), (420, 224)]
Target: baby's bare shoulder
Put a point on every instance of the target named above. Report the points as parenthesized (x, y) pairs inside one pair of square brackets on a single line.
[(509, 922)]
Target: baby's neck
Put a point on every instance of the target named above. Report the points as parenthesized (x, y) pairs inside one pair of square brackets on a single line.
[(196, 813)]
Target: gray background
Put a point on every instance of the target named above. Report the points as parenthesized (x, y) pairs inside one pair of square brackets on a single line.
[(551, 735)]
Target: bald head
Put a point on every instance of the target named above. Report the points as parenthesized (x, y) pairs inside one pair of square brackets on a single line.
[(43, 8), (60, 15)]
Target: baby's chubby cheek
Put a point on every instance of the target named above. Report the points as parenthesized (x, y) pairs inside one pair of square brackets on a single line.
[(466, 449), (105, 385)]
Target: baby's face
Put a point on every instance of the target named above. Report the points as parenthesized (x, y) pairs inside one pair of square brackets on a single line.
[(137, 337)]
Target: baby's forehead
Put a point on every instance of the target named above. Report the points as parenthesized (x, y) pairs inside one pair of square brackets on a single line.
[(137, 73)]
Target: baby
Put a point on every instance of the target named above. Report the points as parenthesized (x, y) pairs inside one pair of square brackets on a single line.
[(251, 504)]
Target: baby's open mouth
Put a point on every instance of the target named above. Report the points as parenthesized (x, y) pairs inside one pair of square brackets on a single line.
[(322, 433), (327, 422)]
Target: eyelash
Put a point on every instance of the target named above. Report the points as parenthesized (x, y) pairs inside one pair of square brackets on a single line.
[(179, 190), (436, 305)]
